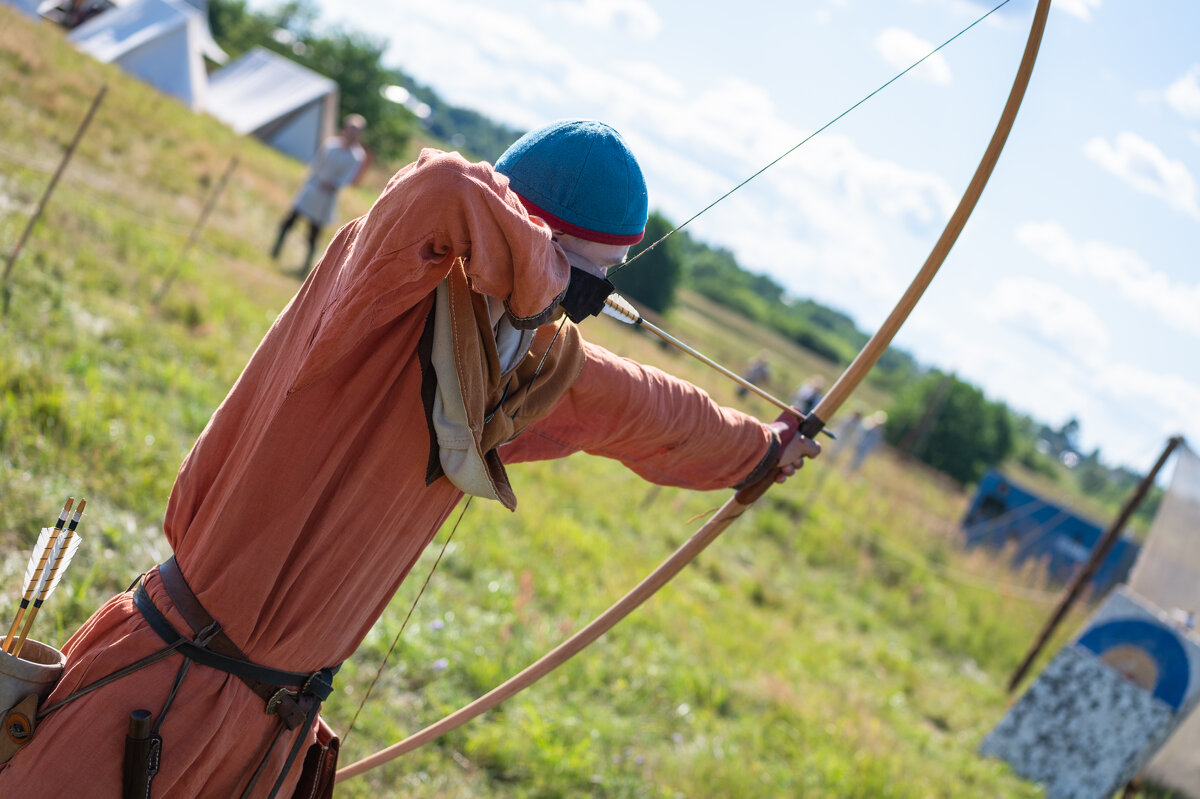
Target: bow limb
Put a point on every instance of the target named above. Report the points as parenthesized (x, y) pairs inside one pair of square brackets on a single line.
[(573, 645), (874, 348), (742, 500)]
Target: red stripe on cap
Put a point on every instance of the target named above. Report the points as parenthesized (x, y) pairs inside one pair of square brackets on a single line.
[(576, 230)]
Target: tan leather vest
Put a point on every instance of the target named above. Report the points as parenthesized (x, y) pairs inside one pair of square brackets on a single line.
[(479, 404)]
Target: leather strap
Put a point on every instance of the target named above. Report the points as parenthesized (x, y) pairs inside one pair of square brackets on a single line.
[(286, 693), (192, 611)]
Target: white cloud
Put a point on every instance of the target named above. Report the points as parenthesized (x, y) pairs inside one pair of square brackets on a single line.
[(1082, 9), (1002, 349), (651, 78), (1063, 320), (1175, 303), (1145, 167), (1184, 94), (816, 219), (1048, 355), (633, 18), (901, 48), (1175, 397), (1157, 407)]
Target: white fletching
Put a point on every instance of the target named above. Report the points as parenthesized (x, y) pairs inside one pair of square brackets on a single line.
[(31, 569), (60, 555), (618, 307), (61, 562)]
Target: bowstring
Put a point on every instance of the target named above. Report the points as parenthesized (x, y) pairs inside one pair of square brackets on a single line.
[(396, 640), (808, 138)]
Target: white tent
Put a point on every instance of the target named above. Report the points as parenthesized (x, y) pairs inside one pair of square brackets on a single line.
[(162, 42), (288, 106)]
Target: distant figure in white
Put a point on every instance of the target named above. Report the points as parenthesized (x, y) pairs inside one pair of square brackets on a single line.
[(336, 165), (868, 439)]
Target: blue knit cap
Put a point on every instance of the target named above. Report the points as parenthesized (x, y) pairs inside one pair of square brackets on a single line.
[(580, 177)]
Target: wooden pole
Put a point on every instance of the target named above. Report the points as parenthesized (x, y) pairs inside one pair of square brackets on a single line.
[(41, 206), (195, 234), (1099, 552)]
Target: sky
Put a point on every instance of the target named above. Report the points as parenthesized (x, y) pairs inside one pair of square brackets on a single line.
[(1074, 290)]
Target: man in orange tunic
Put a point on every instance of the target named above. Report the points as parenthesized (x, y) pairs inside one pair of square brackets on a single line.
[(414, 355)]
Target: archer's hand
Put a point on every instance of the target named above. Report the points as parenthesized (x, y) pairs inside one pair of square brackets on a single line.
[(794, 452)]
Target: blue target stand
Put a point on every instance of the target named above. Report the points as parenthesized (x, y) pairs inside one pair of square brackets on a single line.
[(1105, 704), (1003, 515)]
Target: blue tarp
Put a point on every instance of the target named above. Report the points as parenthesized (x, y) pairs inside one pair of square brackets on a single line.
[(1004, 513)]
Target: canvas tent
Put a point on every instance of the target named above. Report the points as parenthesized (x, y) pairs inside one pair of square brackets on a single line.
[(162, 42), (266, 95)]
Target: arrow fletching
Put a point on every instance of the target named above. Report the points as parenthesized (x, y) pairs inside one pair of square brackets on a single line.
[(62, 549), (62, 559), (618, 307), (36, 566), (37, 561)]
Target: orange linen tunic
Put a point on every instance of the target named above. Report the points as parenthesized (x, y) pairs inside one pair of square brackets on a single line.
[(303, 504)]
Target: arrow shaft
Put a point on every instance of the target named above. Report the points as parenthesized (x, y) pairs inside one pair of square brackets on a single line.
[(12, 631), (741, 381)]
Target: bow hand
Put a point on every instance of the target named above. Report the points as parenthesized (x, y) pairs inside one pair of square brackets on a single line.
[(794, 447)]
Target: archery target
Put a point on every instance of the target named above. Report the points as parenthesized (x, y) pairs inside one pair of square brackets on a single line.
[(1148, 654), (1105, 704), (1143, 643)]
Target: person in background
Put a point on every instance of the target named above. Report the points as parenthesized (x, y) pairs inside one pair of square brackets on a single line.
[(809, 394), (757, 371), (868, 440), (847, 435), (337, 164)]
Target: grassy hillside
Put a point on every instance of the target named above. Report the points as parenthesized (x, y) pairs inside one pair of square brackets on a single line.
[(835, 643)]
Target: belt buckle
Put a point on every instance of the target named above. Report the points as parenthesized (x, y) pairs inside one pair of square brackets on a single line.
[(278, 697)]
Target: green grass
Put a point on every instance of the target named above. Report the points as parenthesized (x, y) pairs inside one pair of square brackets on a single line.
[(836, 642)]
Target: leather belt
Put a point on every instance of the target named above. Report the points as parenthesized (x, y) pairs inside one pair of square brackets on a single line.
[(287, 693)]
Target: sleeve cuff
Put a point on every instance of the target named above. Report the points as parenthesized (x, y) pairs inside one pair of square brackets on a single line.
[(537, 320), (764, 467)]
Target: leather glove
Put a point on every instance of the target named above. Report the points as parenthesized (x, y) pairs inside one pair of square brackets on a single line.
[(586, 291)]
